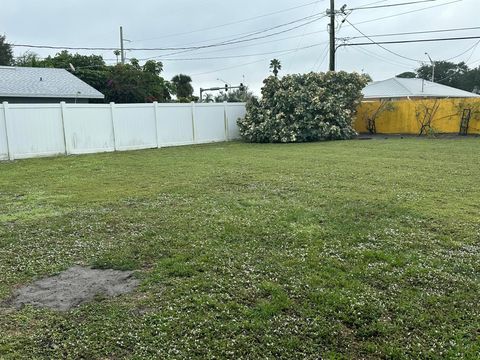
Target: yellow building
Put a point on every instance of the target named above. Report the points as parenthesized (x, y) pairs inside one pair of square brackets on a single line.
[(417, 106)]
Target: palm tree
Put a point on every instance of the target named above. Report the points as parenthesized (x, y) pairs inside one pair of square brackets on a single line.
[(208, 98), (117, 54), (182, 86), (275, 65)]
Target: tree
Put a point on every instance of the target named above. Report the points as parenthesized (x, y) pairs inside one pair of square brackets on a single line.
[(446, 73), (129, 83), (117, 53), (182, 87), (459, 75), (208, 98), (6, 52), (153, 67), (126, 84), (407, 75), (237, 95), (28, 59), (275, 65), (63, 59), (135, 64)]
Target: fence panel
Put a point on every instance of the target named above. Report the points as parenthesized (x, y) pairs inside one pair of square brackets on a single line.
[(209, 123), (174, 124), (35, 130), (30, 130), (3, 136), (135, 126), (88, 128), (234, 111)]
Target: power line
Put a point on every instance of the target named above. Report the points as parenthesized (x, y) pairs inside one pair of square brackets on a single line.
[(411, 41), (390, 5), (382, 58), (241, 56), (458, 70), (300, 43), (233, 22), (247, 33), (233, 41), (234, 66), (474, 46), (378, 44), (235, 47), (241, 65), (405, 13), (321, 59), (414, 32)]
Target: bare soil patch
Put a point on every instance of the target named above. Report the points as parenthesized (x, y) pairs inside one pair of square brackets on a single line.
[(73, 287)]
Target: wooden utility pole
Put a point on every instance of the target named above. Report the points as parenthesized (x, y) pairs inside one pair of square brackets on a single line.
[(332, 35), (122, 50)]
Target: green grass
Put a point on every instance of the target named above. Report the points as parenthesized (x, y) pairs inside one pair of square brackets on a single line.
[(355, 249)]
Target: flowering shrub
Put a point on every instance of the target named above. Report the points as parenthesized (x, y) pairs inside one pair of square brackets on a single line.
[(304, 107)]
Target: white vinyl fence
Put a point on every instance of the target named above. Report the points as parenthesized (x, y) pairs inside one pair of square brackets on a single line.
[(31, 130)]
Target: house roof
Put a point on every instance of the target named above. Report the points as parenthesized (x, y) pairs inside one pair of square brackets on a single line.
[(399, 87), (43, 82)]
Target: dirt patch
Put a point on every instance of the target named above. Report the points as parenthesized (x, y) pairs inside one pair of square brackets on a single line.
[(73, 287)]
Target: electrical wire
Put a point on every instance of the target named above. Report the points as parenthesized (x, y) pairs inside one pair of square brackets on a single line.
[(411, 41), (242, 55), (240, 65), (379, 45), (299, 44), (414, 32), (383, 58), (405, 13), (390, 5), (235, 47), (234, 41), (474, 47), (322, 56), (232, 23)]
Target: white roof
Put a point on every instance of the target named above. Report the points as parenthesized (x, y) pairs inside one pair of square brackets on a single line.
[(399, 87), (43, 82)]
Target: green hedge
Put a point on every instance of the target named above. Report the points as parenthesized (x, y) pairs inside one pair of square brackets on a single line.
[(304, 107)]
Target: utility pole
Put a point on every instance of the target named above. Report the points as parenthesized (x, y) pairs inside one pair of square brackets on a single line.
[(332, 35), (122, 50)]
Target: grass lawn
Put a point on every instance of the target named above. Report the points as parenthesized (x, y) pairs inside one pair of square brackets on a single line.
[(353, 249)]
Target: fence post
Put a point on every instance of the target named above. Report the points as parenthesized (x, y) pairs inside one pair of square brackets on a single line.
[(112, 111), (193, 123), (225, 119), (155, 110), (62, 110), (5, 115)]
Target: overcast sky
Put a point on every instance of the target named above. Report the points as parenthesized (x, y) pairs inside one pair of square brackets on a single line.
[(179, 23)]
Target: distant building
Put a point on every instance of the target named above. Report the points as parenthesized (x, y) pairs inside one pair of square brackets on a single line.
[(401, 89), (43, 85)]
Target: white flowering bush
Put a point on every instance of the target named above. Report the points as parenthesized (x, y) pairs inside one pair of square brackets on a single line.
[(304, 107)]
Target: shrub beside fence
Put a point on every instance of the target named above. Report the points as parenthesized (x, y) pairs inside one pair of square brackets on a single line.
[(31, 130), (420, 116)]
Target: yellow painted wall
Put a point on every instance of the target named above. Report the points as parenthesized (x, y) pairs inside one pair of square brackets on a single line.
[(403, 119)]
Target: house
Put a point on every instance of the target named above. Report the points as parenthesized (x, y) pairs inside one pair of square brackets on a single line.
[(402, 89), (43, 85)]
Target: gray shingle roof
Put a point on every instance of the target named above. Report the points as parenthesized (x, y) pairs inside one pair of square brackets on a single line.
[(398, 87), (43, 82)]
